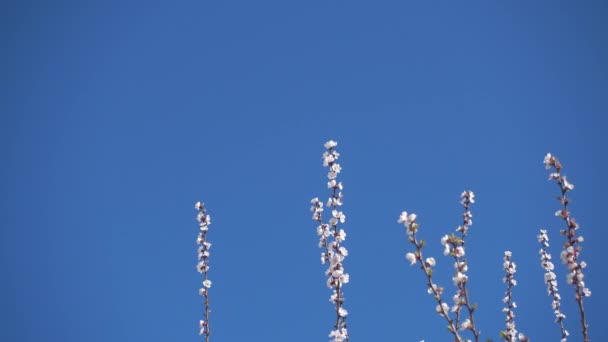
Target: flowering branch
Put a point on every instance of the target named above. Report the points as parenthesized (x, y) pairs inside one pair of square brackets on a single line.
[(330, 239), (202, 266), (510, 334), (551, 281), (426, 265), (572, 248), (455, 246)]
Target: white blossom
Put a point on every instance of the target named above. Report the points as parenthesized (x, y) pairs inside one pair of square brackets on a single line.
[(411, 257), (442, 308), (407, 219), (549, 161), (466, 324), (330, 144)]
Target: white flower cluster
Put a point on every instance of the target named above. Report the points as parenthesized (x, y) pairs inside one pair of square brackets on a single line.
[(551, 281), (510, 334), (204, 220), (572, 248), (331, 237)]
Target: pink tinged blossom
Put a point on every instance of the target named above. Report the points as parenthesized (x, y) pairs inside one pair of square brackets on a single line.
[(430, 262), (342, 312), (207, 283)]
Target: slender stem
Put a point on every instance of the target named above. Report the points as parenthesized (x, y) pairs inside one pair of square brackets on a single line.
[(208, 330)]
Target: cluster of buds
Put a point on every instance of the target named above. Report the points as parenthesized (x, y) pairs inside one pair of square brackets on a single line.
[(426, 265), (510, 334), (551, 282), (331, 236), (572, 248), (204, 220)]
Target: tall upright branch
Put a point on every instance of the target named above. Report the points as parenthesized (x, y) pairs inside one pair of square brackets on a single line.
[(455, 246), (510, 334), (331, 237), (572, 247), (202, 266), (551, 280)]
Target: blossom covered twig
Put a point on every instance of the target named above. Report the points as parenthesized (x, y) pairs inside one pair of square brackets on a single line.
[(551, 281), (572, 249), (202, 266), (330, 240), (510, 334), (455, 246), (426, 265)]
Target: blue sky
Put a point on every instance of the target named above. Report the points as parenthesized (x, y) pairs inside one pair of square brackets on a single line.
[(117, 116)]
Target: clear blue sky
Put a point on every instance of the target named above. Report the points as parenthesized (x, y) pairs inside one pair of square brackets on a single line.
[(116, 116)]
